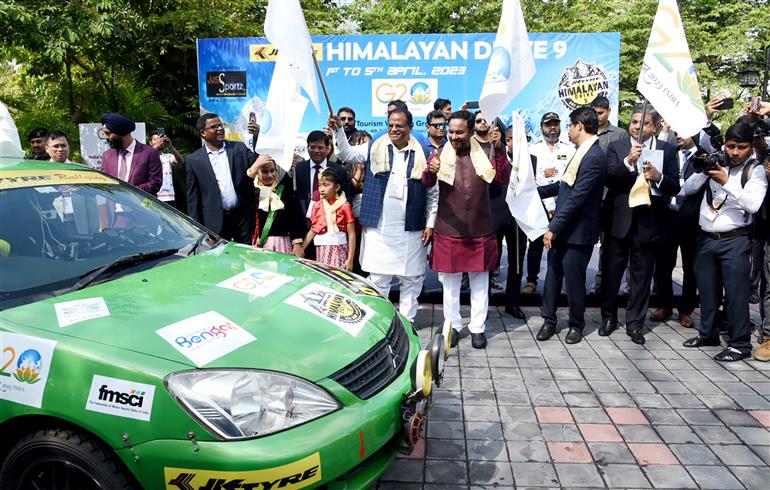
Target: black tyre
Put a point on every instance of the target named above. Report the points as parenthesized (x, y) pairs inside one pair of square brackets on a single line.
[(62, 459)]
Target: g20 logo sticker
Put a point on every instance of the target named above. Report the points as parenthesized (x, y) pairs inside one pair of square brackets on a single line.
[(418, 93), (255, 282), (25, 363)]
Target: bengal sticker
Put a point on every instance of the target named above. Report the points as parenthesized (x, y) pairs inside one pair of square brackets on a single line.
[(345, 312)]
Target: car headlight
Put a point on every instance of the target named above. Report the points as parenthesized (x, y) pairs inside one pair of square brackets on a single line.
[(242, 403)]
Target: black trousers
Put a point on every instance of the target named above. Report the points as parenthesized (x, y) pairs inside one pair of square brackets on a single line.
[(566, 263), (237, 225), (513, 281), (684, 236), (616, 255), (534, 257), (724, 265)]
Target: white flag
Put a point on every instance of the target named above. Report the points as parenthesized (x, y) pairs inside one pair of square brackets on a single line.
[(522, 197), (282, 116), (286, 30), (511, 65), (668, 78), (10, 146)]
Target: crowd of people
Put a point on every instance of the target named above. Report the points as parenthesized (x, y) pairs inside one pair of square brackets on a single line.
[(391, 204)]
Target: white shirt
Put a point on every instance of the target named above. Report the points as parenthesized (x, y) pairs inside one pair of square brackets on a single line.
[(221, 166), (323, 164), (388, 249), (166, 192), (129, 156), (676, 201), (557, 158), (739, 202)]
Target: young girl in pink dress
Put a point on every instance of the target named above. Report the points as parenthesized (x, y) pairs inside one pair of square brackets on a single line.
[(332, 227)]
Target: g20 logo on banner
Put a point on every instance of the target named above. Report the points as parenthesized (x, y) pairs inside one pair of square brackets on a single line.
[(418, 93)]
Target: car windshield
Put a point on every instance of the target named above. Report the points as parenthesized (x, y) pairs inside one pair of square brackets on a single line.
[(53, 235)]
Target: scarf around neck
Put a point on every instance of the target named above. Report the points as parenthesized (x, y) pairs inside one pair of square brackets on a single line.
[(448, 163), (330, 210), (268, 199), (570, 173), (379, 156)]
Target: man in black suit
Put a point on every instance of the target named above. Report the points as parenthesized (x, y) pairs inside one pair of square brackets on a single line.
[(219, 193), (634, 222), (574, 228), (683, 214), (307, 171)]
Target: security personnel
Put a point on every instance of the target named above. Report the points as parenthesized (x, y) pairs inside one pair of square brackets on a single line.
[(732, 195)]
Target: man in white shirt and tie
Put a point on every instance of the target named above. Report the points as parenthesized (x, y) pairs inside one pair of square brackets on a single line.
[(731, 195), (552, 156)]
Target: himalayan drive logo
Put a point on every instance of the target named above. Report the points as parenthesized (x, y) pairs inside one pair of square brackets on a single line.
[(581, 83), (334, 306), (29, 366), (499, 65)]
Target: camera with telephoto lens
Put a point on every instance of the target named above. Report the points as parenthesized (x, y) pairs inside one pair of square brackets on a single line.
[(703, 162)]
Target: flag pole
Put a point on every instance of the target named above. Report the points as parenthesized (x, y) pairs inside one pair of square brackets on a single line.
[(323, 85), (639, 163)]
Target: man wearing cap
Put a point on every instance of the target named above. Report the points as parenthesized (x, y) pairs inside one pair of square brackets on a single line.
[(128, 159), (37, 138), (552, 156)]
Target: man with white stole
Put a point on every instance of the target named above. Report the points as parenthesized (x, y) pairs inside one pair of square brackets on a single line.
[(465, 238), (397, 211)]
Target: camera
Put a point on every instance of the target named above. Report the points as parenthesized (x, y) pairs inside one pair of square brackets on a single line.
[(703, 162), (761, 128)]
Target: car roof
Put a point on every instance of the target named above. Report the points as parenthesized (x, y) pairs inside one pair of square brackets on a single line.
[(21, 164)]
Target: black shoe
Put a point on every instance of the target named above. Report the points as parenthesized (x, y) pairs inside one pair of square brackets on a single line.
[(478, 340), (546, 331), (608, 326), (636, 336), (701, 341), (574, 335), (515, 312), (596, 290), (731, 355), (455, 338)]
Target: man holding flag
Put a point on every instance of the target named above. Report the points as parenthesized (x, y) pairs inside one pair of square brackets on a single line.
[(575, 226)]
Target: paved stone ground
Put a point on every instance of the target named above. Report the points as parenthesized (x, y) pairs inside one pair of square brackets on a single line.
[(602, 413)]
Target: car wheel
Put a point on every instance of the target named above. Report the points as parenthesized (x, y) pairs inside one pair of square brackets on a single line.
[(62, 459)]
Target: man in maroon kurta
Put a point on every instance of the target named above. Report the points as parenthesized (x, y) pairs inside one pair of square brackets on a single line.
[(464, 237)]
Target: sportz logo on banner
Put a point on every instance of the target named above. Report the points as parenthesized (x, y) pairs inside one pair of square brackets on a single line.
[(226, 84)]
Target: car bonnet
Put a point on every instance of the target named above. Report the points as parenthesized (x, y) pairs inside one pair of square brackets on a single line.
[(233, 306)]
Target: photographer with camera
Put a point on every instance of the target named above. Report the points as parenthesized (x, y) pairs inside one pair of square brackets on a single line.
[(733, 187)]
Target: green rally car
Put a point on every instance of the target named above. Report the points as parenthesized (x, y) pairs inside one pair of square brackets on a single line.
[(140, 350)]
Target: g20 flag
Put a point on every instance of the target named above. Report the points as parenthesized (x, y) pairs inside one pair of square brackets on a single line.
[(511, 65), (668, 78), (522, 197)]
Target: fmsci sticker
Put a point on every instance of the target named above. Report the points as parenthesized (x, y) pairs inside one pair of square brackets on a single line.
[(120, 397), (205, 337), (69, 312), (255, 282), (299, 474), (25, 364), (343, 311)]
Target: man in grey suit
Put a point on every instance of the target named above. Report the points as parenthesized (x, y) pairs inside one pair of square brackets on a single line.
[(219, 193)]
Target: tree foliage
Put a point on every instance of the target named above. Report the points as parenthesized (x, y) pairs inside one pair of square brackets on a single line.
[(67, 62)]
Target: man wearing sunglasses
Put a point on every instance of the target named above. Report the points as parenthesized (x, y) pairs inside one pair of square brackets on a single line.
[(436, 131), (348, 118)]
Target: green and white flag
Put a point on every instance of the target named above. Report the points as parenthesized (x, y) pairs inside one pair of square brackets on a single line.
[(668, 79)]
